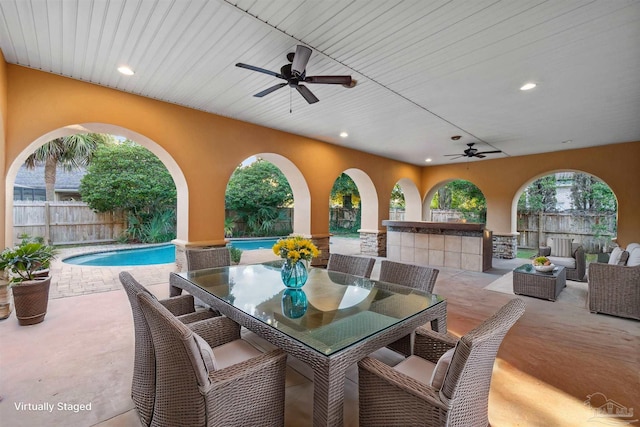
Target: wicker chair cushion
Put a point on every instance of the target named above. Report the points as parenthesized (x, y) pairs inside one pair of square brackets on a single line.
[(634, 257), (561, 247), (632, 246), (206, 352), (234, 352), (566, 262), (425, 371)]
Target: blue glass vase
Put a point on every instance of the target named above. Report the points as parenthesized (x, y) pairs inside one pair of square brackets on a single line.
[(294, 303), (294, 274)]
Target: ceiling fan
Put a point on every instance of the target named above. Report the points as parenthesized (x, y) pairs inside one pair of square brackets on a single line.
[(295, 73), (473, 152)]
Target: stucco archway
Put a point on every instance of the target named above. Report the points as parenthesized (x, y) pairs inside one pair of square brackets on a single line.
[(182, 208), (300, 189), (368, 200), (413, 204)]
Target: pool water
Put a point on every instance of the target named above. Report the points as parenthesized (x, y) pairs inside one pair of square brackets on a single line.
[(252, 244), (164, 254)]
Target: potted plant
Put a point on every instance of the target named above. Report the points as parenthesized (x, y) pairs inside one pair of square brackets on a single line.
[(27, 266)]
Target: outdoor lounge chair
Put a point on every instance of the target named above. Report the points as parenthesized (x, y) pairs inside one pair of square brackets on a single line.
[(349, 264), (446, 382), (207, 376), (414, 276), (143, 383)]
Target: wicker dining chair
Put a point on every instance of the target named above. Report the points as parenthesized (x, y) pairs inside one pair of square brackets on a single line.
[(207, 376), (201, 258), (446, 382), (143, 383), (349, 264), (413, 276)]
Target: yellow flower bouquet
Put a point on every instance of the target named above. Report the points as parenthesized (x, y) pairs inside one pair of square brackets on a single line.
[(295, 248)]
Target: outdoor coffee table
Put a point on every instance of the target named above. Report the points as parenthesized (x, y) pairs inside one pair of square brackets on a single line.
[(346, 318), (528, 281)]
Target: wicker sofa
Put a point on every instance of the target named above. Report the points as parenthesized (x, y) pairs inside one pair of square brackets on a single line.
[(575, 265), (614, 288)]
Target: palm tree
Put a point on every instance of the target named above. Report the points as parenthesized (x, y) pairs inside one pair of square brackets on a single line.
[(71, 152)]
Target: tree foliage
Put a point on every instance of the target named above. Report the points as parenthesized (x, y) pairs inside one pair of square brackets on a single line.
[(463, 196), (71, 152), (540, 196), (397, 197), (345, 192), (256, 193), (130, 178), (588, 193)]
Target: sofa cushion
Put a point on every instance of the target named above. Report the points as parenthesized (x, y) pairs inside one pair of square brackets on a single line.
[(634, 257), (616, 253), (566, 262), (561, 247), (632, 246)]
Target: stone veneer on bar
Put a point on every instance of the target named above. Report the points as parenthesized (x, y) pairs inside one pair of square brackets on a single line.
[(465, 246)]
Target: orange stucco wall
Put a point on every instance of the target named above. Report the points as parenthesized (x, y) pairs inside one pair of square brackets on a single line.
[(501, 180), (205, 146)]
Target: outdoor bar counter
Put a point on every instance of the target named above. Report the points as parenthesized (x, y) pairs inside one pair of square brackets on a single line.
[(465, 246)]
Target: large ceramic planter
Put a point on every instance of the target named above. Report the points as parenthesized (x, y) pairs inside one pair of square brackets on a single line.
[(30, 299)]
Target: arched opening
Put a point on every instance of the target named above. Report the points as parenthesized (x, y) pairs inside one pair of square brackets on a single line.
[(101, 128), (565, 204), (299, 203), (405, 204), (455, 200)]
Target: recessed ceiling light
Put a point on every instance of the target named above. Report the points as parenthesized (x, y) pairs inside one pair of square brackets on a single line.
[(427, 159), (126, 70), (528, 86), (344, 134), (568, 141), (456, 137)]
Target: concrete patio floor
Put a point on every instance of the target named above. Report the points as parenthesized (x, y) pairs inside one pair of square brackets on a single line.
[(82, 354)]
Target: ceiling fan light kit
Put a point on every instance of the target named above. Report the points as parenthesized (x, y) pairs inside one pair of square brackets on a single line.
[(296, 73)]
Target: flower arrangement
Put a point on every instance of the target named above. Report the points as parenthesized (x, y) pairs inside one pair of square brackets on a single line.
[(295, 248)]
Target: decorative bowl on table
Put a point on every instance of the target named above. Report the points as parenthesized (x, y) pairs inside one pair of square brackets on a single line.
[(544, 268), (543, 264)]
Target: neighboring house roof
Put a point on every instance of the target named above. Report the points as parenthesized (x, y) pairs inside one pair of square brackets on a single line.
[(34, 178)]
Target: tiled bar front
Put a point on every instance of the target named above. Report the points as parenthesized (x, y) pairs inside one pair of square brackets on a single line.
[(456, 245)]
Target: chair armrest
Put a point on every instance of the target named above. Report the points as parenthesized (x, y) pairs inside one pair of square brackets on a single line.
[(432, 345), (179, 305), (197, 316), (403, 382), (544, 251), (216, 330)]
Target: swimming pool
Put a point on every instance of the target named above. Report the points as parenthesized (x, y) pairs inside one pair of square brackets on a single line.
[(164, 254), (252, 244)]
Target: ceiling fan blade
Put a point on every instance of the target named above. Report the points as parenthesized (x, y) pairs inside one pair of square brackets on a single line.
[(269, 90), (306, 94), (260, 70), (479, 155), (489, 152), (449, 155), (453, 158), (300, 60), (331, 80)]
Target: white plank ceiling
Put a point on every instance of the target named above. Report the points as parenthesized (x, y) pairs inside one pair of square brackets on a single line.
[(426, 69)]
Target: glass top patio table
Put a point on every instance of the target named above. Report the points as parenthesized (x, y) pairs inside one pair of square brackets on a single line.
[(341, 309), (346, 318)]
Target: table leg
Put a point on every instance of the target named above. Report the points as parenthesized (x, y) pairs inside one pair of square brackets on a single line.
[(328, 396), (439, 323)]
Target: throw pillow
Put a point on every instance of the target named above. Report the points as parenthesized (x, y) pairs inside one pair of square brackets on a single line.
[(206, 352), (634, 257), (561, 247), (437, 378), (616, 253), (632, 246)]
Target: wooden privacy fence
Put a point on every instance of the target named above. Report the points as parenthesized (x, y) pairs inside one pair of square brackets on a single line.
[(64, 223), (593, 230)]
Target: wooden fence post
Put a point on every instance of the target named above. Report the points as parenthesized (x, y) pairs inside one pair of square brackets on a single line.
[(47, 223)]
